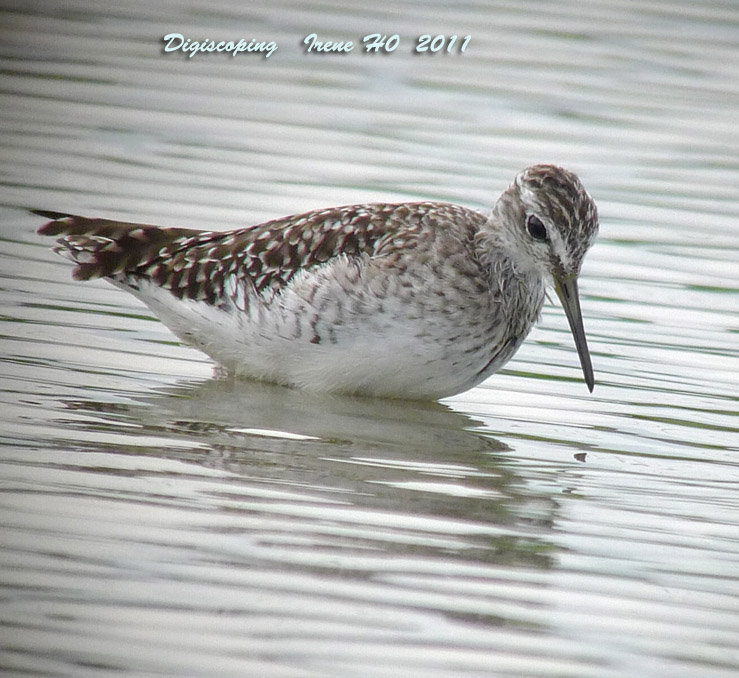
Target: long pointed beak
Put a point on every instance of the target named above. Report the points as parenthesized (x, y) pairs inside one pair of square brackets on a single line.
[(566, 288)]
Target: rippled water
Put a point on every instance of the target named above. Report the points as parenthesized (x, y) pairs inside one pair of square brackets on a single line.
[(156, 520)]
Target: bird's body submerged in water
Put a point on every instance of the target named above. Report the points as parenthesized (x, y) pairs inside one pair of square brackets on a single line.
[(410, 300)]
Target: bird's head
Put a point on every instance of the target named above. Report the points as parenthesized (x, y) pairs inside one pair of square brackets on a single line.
[(546, 221)]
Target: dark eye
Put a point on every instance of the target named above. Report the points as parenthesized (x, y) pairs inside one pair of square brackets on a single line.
[(536, 228)]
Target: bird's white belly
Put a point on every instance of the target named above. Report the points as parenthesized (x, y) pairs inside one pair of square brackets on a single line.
[(381, 347)]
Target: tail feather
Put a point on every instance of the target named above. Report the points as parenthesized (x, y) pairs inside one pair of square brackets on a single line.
[(49, 214), (103, 248)]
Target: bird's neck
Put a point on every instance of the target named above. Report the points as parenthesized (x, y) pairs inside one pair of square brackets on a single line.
[(511, 276)]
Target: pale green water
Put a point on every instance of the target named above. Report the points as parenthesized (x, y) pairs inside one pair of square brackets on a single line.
[(155, 521)]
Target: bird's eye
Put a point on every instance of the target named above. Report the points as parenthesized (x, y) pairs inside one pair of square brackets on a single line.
[(536, 228)]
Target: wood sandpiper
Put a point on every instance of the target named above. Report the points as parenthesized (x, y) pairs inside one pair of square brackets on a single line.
[(410, 300)]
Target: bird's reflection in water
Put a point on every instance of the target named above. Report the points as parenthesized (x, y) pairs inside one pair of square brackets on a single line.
[(389, 456)]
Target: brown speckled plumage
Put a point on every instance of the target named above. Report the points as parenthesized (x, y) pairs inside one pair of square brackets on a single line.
[(444, 291), (194, 264)]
